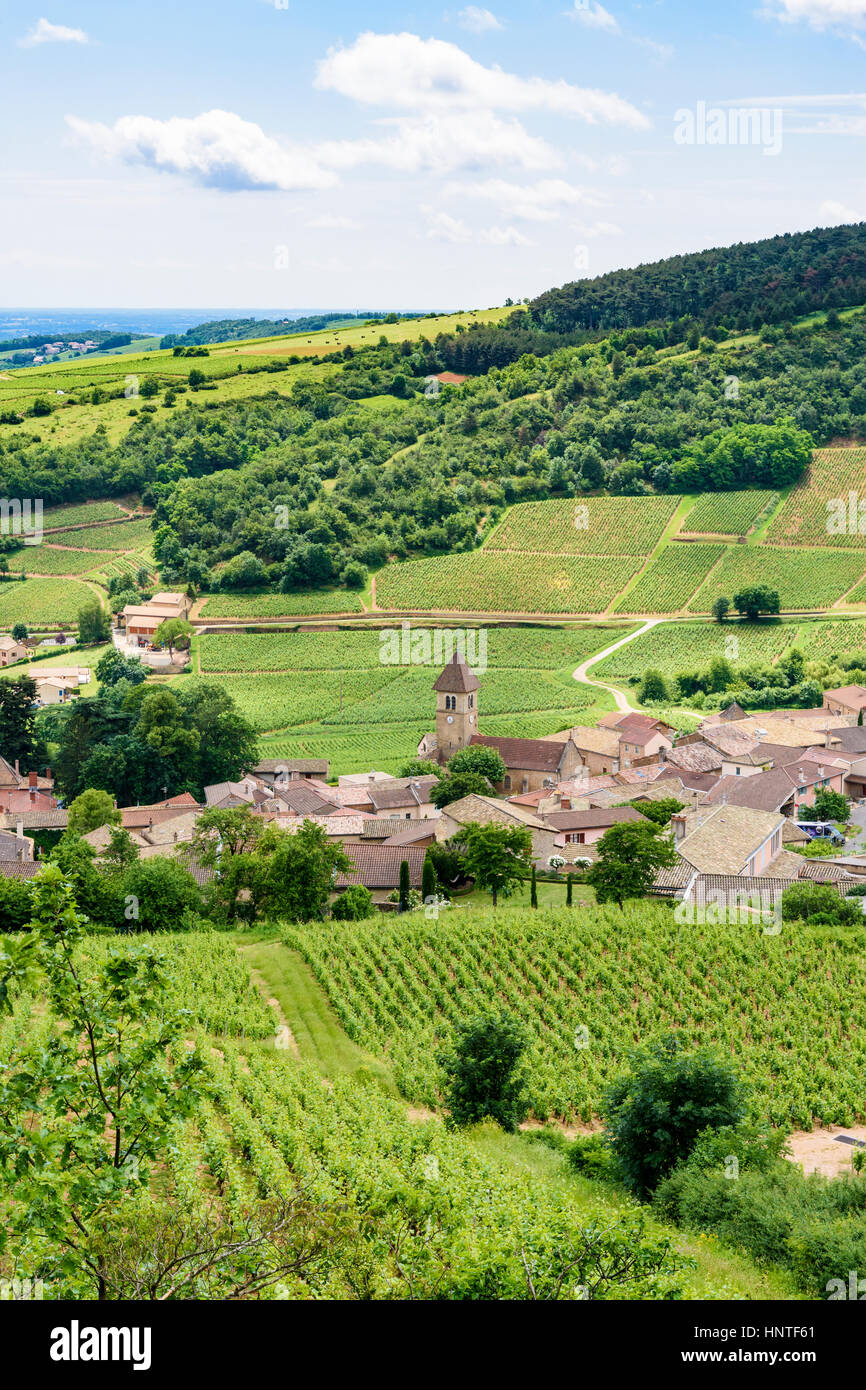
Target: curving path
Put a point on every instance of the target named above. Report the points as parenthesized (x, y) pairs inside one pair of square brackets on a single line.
[(580, 675)]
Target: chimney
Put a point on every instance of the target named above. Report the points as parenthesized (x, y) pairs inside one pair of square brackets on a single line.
[(32, 779), (48, 774), (566, 804), (17, 769), (19, 829)]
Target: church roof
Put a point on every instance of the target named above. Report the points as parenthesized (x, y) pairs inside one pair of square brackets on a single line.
[(456, 679)]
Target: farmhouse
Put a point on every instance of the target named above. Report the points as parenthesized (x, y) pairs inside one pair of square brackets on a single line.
[(377, 867), (10, 651), (847, 699), (728, 839)]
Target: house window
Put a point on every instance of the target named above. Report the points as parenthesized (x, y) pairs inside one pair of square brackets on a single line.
[(526, 784), (738, 772), (507, 784), (470, 701)]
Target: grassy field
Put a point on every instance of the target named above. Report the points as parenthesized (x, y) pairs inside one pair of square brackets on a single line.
[(228, 368)]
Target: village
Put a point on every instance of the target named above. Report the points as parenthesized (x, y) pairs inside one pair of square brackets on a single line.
[(743, 787)]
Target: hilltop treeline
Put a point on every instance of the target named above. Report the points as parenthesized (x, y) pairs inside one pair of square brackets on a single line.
[(232, 330), (737, 287)]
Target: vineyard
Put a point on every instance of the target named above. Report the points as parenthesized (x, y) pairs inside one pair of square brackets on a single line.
[(585, 526), (120, 535), (503, 582), (678, 647), (789, 1010), (726, 513), (269, 605), (45, 559), (670, 579), (806, 519), (41, 602), (331, 694), (417, 1210), (81, 514), (805, 579)]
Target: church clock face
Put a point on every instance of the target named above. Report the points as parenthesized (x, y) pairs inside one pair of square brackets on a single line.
[(451, 719)]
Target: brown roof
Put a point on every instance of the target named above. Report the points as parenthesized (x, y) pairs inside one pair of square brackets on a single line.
[(456, 679), (134, 817), (723, 839), (276, 765), (385, 796), (18, 869), (413, 833), (378, 866), (763, 791), (851, 695), (592, 819), (529, 754), (694, 757)]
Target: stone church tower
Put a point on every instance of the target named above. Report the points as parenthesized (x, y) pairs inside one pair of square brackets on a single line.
[(456, 708)]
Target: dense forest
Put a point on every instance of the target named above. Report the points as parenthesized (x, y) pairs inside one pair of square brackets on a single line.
[(737, 287)]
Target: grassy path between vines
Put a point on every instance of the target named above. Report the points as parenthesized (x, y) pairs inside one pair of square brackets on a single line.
[(282, 975)]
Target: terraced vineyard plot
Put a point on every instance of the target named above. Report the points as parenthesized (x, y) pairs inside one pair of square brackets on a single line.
[(268, 605), (804, 518), (499, 582), (687, 646), (44, 559), (726, 513), (585, 526), (122, 535), (82, 514), (671, 578), (804, 579), (41, 602), (858, 595), (790, 1010)]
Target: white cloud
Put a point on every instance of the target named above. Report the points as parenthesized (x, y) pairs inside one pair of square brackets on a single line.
[(443, 143), (403, 70), (443, 227), (331, 222), (820, 14), (535, 202), (831, 214), (477, 21), (596, 229), (45, 32), (217, 149), (503, 236), (594, 16)]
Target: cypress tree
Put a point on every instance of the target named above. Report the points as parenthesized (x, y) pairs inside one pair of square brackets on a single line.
[(533, 890), (569, 886), (405, 885), (429, 880)]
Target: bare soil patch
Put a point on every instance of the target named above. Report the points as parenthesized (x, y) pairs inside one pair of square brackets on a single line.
[(818, 1151)]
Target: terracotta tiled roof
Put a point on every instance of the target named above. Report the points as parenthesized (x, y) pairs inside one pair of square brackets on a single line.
[(269, 766), (378, 866), (531, 754), (694, 757), (722, 840), (592, 819)]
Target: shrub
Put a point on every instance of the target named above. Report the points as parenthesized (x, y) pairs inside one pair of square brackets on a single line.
[(483, 1072), (353, 905), (655, 1112)]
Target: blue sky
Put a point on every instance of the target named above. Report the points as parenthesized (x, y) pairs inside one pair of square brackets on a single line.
[(247, 152)]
